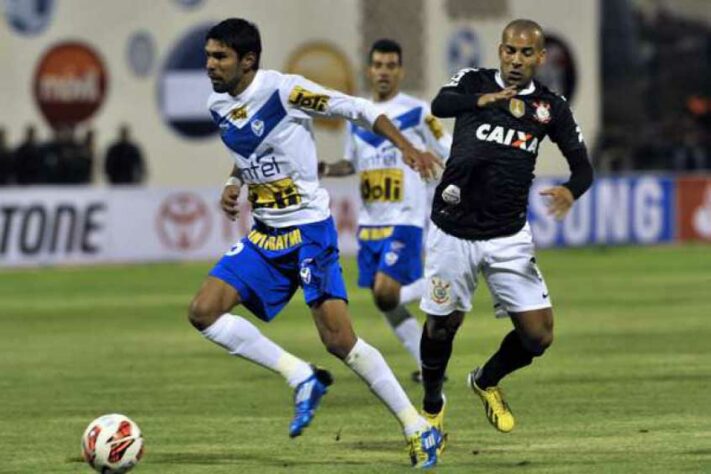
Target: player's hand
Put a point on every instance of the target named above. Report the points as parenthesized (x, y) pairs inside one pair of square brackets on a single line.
[(505, 94), (229, 201), (560, 201), (425, 163)]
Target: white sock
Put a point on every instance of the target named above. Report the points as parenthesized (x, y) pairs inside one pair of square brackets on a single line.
[(412, 292), (368, 363), (409, 332), (243, 339)]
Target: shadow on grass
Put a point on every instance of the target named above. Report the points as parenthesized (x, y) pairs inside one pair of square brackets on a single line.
[(266, 459)]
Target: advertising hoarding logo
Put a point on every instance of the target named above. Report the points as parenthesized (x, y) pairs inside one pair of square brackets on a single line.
[(463, 50), (189, 4), (70, 83), (614, 211), (29, 17), (183, 87), (141, 53), (183, 222), (694, 208)]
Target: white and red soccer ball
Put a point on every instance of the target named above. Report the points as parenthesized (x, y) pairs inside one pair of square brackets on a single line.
[(112, 444)]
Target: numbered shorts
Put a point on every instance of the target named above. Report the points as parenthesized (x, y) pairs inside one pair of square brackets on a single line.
[(393, 250), (268, 265), (508, 265)]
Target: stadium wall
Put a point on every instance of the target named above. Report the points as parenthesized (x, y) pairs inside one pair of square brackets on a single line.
[(154, 78), (53, 226)]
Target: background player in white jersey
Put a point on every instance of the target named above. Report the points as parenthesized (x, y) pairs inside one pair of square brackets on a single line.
[(394, 198), (265, 120)]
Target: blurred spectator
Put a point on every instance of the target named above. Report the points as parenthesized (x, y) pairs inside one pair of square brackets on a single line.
[(29, 160), (655, 79), (691, 154), (87, 152), (124, 160), (6, 166), (64, 159)]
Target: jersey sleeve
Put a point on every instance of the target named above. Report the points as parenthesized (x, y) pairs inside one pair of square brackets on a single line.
[(299, 93), (465, 81), (459, 95), (436, 137), (565, 131), (349, 145)]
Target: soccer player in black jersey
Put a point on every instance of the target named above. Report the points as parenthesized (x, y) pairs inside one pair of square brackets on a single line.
[(479, 214)]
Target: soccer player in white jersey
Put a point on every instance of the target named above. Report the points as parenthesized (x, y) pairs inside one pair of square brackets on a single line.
[(394, 204), (265, 121)]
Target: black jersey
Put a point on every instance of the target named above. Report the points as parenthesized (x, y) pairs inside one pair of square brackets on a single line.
[(484, 189)]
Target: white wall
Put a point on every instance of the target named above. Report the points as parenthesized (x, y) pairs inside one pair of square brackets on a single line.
[(285, 24)]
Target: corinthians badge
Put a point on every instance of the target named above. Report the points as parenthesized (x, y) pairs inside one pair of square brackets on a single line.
[(517, 108), (543, 112)]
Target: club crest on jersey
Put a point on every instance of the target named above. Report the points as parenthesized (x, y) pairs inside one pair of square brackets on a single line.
[(517, 108), (440, 290), (258, 127), (543, 112)]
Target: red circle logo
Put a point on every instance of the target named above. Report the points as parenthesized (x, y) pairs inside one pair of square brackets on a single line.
[(70, 83), (183, 222)]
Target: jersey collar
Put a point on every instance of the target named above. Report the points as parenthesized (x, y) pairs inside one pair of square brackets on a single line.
[(525, 91), (256, 82)]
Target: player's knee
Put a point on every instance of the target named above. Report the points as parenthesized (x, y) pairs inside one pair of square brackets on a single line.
[(338, 345), (385, 299), (443, 328), (538, 343), (202, 313)]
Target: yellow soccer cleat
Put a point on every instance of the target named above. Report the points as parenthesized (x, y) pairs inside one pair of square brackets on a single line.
[(437, 420), (497, 411)]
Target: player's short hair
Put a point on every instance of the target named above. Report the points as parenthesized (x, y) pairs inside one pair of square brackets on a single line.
[(523, 24), (240, 35), (385, 45)]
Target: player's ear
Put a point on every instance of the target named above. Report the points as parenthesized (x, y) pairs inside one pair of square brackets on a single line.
[(369, 71), (249, 60), (542, 56)]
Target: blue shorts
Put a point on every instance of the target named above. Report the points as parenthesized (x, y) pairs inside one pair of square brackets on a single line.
[(393, 250), (268, 265)]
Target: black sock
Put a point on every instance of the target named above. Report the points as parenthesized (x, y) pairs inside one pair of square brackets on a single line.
[(512, 355), (435, 355)]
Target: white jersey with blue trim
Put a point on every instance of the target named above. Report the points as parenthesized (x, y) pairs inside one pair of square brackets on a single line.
[(391, 192), (268, 129)]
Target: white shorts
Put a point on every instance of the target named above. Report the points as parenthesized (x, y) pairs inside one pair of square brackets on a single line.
[(508, 265)]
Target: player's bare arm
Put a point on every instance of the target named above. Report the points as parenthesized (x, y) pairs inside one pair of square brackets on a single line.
[(230, 195), (337, 169), (423, 162)]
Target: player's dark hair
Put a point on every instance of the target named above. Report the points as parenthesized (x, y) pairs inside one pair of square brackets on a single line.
[(240, 35), (385, 45)]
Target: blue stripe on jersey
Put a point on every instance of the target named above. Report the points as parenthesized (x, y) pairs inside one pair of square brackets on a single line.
[(245, 139), (403, 121)]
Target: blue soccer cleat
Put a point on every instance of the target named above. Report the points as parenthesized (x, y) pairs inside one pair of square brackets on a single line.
[(423, 448), (307, 396)]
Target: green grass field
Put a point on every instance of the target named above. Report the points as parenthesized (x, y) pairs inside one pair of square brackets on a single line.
[(625, 388)]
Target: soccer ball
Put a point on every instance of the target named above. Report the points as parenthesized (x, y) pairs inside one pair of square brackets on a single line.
[(112, 444)]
